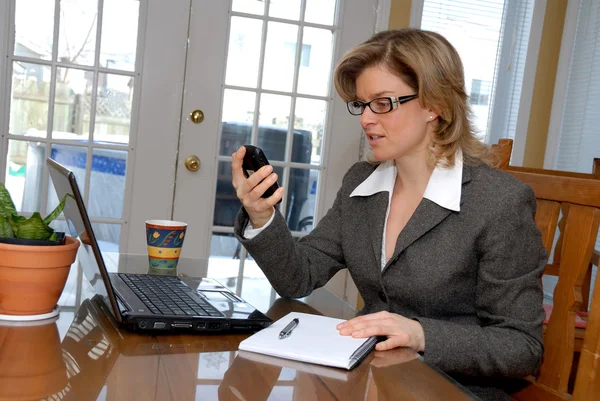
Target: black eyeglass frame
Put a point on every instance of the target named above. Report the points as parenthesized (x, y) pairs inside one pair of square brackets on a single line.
[(394, 102)]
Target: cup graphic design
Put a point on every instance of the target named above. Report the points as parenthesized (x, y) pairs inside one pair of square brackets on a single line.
[(164, 239)]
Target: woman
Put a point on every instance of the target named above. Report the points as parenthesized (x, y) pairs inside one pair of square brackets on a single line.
[(442, 247)]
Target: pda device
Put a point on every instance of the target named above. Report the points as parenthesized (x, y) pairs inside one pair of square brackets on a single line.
[(254, 159)]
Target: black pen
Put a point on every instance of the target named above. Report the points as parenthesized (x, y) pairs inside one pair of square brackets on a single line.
[(288, 329)]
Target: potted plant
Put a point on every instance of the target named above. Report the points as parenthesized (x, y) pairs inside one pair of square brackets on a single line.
[(34, 260)]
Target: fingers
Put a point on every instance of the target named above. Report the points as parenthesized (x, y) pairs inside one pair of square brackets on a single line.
[(237, 158), (360, 321), (391, 343)]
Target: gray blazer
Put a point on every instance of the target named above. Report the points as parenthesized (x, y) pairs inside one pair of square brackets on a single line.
[(471, 278)]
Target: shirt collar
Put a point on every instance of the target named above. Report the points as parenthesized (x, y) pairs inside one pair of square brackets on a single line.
[(444, 186)]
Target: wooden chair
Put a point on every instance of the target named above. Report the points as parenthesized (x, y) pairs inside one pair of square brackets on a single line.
[(577, 196), (503, 151)]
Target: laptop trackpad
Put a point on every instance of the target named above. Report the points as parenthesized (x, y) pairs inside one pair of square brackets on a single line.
[(225, 301)]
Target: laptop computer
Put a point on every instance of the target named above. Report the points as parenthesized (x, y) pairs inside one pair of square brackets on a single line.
[(152, 303)]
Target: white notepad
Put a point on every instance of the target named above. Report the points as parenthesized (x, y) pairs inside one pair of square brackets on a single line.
[(314, 340)]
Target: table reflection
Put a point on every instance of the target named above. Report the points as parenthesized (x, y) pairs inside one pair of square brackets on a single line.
[(31, 361), (84, 356)]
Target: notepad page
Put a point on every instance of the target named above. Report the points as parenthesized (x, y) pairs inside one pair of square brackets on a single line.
[(314, 340)]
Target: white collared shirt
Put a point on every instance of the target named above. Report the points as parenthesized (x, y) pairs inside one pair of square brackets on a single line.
[(444, 188)]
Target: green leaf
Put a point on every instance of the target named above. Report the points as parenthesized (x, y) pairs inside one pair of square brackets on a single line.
[(7, 207), (32, 228), (14, 222), (6, 230), (57, 210)]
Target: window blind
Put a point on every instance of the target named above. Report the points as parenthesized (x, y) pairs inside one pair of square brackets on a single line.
[(492, 37), (579, 139)]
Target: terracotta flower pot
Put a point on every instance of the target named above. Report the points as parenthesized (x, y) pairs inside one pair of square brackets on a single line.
[(31, 363), (33, 277)]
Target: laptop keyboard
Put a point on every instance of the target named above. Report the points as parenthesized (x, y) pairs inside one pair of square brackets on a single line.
[(167, 295)]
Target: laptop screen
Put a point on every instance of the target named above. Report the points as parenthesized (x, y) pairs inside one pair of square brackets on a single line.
[(80, 227)]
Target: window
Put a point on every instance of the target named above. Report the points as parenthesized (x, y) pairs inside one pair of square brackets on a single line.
[(579, 141), (492, 38), (480, 92)]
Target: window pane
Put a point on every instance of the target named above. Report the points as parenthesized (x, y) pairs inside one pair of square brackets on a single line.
[(113, 108), (75, 159), (77, 35), (309, 125), (249, 6), (227, 205), (302, 189), (34, 28), (108, 236), (24, 174), (274, 121), (119, 34), (244, 52), (320, 11), (280, 53), (238, 116), (29, 100), (107, 183), (288, 9), (72, 101), (315, 62)]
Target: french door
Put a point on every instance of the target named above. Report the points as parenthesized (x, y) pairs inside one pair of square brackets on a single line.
[(146, 100)]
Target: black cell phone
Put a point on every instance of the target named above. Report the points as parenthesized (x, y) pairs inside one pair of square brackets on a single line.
[(254, 159)]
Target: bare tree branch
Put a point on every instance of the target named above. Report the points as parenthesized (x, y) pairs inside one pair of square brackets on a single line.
[(87, 37)]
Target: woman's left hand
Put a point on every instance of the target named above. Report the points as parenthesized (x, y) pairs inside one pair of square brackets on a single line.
[(400, 331)]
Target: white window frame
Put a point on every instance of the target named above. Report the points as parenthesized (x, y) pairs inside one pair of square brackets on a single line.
[(560, 86)]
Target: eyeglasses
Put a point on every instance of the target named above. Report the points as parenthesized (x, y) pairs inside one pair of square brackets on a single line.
[(381, 105)]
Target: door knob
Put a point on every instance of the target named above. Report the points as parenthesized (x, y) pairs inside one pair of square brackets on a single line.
[(192, 163), (197, 116)]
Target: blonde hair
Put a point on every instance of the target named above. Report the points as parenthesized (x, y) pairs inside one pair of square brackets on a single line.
[(430, 65)]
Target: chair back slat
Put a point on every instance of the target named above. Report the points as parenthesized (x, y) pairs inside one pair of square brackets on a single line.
[(546, 218), (579, 237), (572, 188), (587, 386), (503, 151)]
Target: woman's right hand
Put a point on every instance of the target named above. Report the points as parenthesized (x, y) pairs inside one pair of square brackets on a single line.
[(249, 190)]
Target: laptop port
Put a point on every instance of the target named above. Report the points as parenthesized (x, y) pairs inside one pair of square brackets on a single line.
[(143, 324), (214, 325), (159, 325), (201, 326), (181, 325)]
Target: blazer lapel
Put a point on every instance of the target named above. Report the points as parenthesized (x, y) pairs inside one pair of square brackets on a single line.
[(427, 215), (376, 208)]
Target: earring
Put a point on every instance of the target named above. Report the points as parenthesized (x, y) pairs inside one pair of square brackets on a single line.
[(430, 116)]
